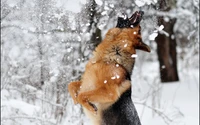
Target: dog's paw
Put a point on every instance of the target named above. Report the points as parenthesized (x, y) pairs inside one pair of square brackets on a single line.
[(94, 108), (83, 100), (75, 99)]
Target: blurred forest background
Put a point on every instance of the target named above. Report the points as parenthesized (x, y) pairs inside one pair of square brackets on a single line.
[(45, 45)]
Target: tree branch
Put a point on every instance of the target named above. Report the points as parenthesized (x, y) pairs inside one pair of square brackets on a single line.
[(166, 119), (180, 13), (27, 117), (34, 32)]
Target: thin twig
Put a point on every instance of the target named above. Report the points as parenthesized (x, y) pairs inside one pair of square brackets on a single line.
[(166, 119), (27, 117)]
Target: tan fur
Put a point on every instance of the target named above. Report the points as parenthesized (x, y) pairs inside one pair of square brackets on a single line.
[(104, 79)]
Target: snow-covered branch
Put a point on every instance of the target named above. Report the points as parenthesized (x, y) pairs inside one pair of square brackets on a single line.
[(178, 13), (28, 117), (160, 112), (34, 31), (5, 10), (32, 95)]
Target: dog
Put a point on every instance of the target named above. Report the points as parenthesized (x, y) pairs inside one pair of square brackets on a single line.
[(107, 73)]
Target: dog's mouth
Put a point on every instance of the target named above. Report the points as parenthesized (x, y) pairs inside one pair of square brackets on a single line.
[(134, 20)]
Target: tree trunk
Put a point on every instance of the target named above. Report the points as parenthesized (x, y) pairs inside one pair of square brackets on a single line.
[(59, 110), (166, 45), (166, 50), (93, 20), (96, 37)]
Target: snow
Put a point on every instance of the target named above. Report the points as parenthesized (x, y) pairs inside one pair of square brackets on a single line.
[(101, 25), (117, 76), (83, 1), (15, 52), (12, 3), (177, 95), (29, 42), (26, 108), (153, 36), (122, 15), (30, 88), (125, 45), (134, 55), (141, 3), (180, 100), (155, 32), (99, 2), (163, 66), (160, 28), (113, 77), (71, 5), (172, 37)]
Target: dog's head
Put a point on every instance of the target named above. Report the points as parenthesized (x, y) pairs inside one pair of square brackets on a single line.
[(130, 27), (120, 43)]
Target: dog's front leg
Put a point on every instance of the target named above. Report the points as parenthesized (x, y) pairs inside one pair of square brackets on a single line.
[(125, 85), (100, 95), (73, 89)]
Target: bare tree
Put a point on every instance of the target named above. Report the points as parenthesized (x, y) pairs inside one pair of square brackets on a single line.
[(93, 16)]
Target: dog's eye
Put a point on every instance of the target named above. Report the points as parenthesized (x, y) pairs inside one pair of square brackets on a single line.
[(139, 31)]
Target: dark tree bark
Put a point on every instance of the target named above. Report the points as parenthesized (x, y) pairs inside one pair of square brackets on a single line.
[(166, 48), (93, 20), (91, 14)]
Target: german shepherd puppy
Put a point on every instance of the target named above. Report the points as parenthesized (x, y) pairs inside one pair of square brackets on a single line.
[(106, 73)]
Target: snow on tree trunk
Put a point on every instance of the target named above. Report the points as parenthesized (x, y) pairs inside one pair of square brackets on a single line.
[(93, 21)]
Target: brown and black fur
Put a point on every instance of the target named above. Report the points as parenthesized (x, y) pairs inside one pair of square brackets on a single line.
[(106, 76)]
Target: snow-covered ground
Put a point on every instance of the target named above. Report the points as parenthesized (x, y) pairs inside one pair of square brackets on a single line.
[(177, 101)]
